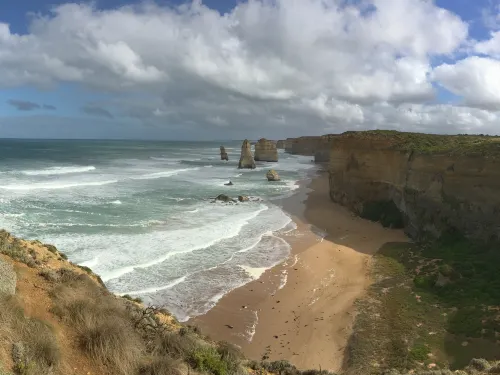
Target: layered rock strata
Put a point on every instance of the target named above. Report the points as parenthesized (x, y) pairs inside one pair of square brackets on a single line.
[(246, 158), (223, 154), (430, 184), (266, 151)]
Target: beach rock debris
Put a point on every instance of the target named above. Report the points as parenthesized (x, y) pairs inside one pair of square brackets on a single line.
[(246, 158), (223, 154), (272, 175)]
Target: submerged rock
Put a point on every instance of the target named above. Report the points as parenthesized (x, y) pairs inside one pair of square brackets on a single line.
[(272, 175), (266, 150), (223, 154), (224, 198), (246, 158), (229, 184)]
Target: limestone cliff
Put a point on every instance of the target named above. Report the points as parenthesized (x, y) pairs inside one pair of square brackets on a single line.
[(246, 158), (223, 154), (288, 144), (265, 150), (305, 145), (434, 183), (322, 153), (280, 144)]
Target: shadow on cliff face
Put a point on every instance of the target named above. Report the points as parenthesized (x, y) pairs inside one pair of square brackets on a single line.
[(429, 304)]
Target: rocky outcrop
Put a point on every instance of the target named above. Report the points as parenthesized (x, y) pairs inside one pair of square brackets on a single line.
[(322, 153), (266, 150), (8, 279), (272, 175), (246, 158), (243, 198), (280, 144), (305, 145), (429, 184), (223, 154)]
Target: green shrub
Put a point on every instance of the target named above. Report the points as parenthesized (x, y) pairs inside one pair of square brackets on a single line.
[(419, 352), (206, 358)]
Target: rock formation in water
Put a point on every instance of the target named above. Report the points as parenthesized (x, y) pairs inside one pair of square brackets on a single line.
[(280, 144), (223, 154), (266, 151), (246, 158), (272, 175), (429, 184), (288, 144), (243, 198), (224, 198)]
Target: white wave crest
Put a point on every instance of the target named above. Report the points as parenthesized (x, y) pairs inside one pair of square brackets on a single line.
[(58, 170), (50, 186), (163, 174)]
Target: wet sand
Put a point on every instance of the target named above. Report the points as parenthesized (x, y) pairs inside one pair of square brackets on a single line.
[(303, 309)]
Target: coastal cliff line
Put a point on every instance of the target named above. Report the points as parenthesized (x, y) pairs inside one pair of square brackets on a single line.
[(429, 184)]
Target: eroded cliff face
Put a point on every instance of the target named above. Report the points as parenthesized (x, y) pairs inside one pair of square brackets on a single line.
[(265, 150), (280, 144), (246, 158), (325, 144), (288, 144), (223, 154), (305, 145), (435, 191)]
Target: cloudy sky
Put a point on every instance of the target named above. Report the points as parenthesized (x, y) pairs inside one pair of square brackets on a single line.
[(228, 69)]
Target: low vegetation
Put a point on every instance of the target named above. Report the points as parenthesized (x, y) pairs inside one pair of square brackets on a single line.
[(408, 322), (433, 143), (34, 346), (432, 306)]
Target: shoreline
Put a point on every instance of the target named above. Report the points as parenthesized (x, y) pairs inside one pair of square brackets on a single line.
[(302, 309)]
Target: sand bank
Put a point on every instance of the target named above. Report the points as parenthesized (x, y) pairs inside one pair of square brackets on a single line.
[(303, 310)]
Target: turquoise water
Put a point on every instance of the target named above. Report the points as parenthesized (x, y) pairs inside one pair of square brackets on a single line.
[(139, 213)]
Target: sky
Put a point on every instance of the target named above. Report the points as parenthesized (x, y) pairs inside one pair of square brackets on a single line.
[(233, 69)]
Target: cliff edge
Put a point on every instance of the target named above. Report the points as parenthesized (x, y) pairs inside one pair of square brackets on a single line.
[(428, 184)]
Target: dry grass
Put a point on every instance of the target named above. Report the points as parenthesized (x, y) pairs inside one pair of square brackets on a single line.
[(104, 328), (34, 346), (162, 366)]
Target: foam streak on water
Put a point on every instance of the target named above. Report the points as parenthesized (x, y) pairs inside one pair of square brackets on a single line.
[(139, 214)]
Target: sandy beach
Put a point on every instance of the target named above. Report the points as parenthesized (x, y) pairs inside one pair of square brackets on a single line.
[(303, 309)]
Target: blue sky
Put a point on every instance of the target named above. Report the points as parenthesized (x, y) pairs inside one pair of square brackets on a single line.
[(156, 109)]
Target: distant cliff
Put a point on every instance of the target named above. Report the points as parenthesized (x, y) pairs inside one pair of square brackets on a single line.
[(280, 144), (323, 150), (426, 183), (305, 145), (265, 150)]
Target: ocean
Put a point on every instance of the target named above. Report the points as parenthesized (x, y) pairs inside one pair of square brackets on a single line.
[(140, 215)]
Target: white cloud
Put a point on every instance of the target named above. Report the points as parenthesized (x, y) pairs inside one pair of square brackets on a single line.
[(301, 65), (476, 79)]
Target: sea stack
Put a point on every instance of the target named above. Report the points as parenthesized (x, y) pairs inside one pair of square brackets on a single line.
[(223, 154), (280, 144), (246, 158), (266, 150), (272, 175)]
